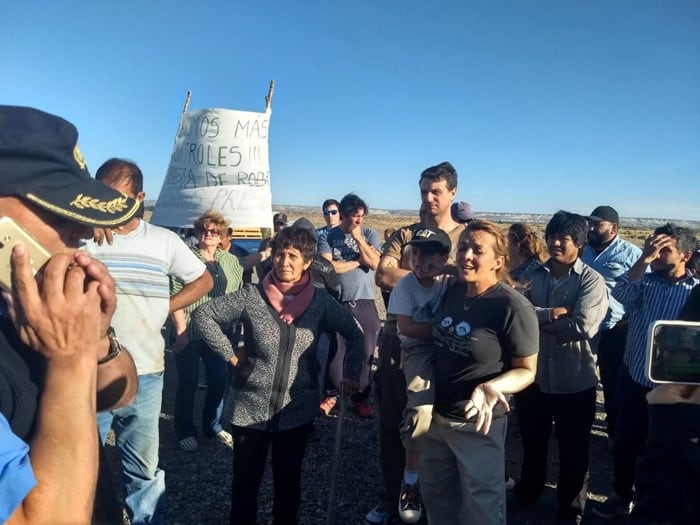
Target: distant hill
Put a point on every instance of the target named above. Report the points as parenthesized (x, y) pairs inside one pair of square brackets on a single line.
[(509, 218)]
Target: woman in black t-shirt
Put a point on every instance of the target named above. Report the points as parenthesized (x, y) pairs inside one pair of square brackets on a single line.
[(487, 338)]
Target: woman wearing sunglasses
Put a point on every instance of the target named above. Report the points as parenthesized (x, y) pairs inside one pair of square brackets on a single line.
[(227, 273)]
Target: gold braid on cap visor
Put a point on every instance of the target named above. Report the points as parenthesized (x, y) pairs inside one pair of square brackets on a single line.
[(83, 202)]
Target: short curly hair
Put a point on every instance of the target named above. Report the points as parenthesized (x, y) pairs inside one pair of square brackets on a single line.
[(211, 217)]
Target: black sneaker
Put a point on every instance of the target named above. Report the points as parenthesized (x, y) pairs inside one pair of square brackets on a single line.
[(611, 507), (410, 507)]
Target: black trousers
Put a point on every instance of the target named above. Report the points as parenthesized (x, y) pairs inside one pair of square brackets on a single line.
[(611, 348), (249, 458), (630, 433), (390, 395), (573, 416)]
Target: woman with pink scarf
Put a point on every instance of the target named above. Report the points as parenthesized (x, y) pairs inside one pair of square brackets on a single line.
[(275, 385)]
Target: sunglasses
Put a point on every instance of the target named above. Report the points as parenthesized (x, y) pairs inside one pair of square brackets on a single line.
[(214, 233), (330, 212)]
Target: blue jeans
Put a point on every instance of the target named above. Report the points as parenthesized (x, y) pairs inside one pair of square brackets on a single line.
[(136, 432), (216, 370)]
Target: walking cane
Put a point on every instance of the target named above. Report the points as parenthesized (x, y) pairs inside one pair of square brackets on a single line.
[(335, 460)]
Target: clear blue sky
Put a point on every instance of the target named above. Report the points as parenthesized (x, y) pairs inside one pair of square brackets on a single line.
[(540, 105)]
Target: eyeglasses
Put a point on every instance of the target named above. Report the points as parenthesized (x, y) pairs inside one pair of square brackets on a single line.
[(330, 212), (213, 233)]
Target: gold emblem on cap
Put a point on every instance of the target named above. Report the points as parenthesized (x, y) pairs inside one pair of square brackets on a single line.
[(114, 206), (78, 156)]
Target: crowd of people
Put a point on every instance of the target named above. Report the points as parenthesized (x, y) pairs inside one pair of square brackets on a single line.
[(480, 321)]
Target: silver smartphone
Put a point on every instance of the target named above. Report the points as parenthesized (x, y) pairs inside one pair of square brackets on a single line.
[(12, 233), (673, 354)]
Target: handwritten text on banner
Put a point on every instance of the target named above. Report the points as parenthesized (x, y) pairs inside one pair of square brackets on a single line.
[(219, 162)]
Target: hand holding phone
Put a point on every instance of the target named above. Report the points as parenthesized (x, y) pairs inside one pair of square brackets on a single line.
[(12, 234), (673, 353)]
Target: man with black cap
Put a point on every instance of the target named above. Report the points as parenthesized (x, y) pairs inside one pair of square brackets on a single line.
[(56, 345), (141, 258), (279, 222), (611, 256)]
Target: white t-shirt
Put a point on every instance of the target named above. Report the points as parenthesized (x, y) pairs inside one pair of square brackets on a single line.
[(140, 263), (409, 297)]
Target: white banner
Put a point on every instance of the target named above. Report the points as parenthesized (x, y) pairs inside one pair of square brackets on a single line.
[(219, 162)]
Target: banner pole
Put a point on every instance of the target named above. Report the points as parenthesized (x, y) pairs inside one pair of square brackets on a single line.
[(187, 101), (268, 98)]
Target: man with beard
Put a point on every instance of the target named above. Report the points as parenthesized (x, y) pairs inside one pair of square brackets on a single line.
[(647, 297), (438, 186), (610, 256)]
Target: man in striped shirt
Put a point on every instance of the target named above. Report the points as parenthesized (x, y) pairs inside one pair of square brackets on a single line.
[(647, 297), (140, 258)]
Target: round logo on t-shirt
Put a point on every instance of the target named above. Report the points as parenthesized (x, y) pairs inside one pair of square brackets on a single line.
[(463, 328)]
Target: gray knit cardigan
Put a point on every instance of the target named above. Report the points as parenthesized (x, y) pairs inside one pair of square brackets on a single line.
[(277, 387)]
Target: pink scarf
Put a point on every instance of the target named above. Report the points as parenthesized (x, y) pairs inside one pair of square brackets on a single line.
[(290, 300)]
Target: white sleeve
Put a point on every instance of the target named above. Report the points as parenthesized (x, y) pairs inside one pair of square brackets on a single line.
[(401, 300), (183, 262)]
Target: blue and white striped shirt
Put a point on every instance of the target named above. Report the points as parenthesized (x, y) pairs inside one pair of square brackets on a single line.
[(649, 299)]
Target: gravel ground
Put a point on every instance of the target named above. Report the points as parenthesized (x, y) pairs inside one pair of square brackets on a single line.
[(199, 483)]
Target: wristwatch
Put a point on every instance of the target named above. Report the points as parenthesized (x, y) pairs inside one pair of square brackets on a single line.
[(115, 347)]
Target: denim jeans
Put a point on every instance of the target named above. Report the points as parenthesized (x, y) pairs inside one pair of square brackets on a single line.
[(216, 370), (136, 432)]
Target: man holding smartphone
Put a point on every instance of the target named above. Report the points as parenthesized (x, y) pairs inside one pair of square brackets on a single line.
[(647, 297), (56, 348)]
